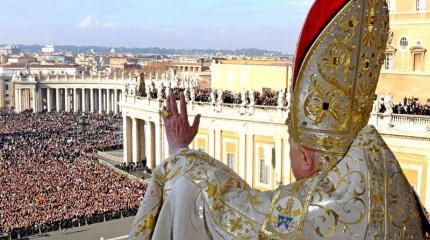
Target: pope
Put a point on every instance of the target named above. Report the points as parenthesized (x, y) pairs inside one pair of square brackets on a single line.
[(349, 184)]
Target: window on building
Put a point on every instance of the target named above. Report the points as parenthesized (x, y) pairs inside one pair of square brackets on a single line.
[(418, 55), (201, 144), (264, 172), (414, 177), (418, 62), (404, 42), (388, 61), (6, 87), (230, 156), (420, 5), (231, 160)]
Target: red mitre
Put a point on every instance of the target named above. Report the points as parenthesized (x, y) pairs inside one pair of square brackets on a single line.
[(318, 17)]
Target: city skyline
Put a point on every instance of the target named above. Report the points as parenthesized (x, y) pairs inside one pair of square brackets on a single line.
[(182, 24)]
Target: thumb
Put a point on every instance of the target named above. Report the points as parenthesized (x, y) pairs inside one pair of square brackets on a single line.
[(196, 122)]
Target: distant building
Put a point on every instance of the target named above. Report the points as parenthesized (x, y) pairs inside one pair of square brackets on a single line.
[(69, 93), (7, 71), (251, 74), (20, 59), (3, 93), (3, 59), (118, 62), (155, 67), (48, 49), (406, 71), (9, 50), (60, 58), (190, 66)]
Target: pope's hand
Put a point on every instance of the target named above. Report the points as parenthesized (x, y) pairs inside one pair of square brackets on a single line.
[(179, 133)]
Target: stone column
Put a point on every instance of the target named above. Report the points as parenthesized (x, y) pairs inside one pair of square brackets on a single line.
[(218, 144), (136, 140), (66, 100), (108, 101), (212, 142), (120, 99), (39, 101), (75, 99), (84, 100), (158, 143), (278, 161), (149, 145), (242, 155), (26, 99), (92, 100), (17, 100), (57, 99), (286, 163), (115, 101), (20, 103), (127, 139), (34, 102), (141, 136), (249, 174), (100, 101), (48, 100)]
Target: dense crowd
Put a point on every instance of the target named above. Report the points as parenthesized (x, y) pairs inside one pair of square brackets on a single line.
[(264, 98), (411, 106), (49, 173)]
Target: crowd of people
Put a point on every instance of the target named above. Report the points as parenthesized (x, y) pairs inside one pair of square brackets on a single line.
[(49, 172), (411, 106), (266, 97)]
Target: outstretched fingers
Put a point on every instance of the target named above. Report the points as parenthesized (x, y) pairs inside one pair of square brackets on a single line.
[(196, 124), (183, 106), (168, 104), (173, 104)]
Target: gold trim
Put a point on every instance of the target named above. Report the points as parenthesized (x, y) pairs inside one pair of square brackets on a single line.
[(309, 54)]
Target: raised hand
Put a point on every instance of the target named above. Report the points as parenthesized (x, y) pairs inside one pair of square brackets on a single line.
[(179, 133)]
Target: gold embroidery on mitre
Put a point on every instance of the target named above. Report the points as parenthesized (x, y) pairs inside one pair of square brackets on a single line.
[(334, 90)]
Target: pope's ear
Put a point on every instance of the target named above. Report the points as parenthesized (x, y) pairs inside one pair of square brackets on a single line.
[(308, 159)]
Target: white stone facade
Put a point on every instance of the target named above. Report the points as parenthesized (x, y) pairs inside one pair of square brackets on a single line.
[(249, 128), (70, 93)]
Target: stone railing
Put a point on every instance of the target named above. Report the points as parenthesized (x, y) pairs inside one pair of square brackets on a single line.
[(86, 79), (410, 120), (411, 125), (252, 113), (65, 78)]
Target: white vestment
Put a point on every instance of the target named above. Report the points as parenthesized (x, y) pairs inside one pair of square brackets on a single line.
[(363, 196)]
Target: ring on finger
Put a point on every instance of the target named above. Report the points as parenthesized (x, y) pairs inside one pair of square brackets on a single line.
[(167, 114)]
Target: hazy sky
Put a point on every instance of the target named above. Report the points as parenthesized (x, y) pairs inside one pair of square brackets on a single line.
[(219, 24)]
